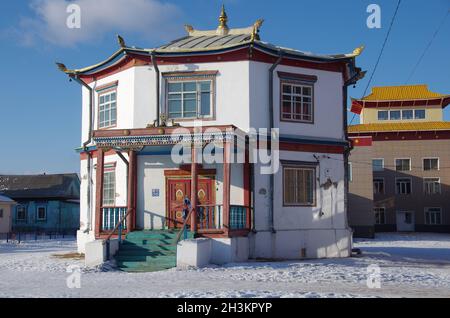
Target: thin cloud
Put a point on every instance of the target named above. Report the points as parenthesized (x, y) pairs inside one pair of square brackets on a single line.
[(151, 20)]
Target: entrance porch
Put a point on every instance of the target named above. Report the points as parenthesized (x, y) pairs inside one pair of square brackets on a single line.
[(155, 186)]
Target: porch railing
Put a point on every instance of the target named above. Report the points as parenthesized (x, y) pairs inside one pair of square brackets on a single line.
[(209, 217), (111, 217), (240, 217)]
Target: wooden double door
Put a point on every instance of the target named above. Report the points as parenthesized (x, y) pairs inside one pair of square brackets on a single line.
[(178, 188)]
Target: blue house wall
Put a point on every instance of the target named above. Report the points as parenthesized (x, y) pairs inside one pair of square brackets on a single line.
[(60, 216)]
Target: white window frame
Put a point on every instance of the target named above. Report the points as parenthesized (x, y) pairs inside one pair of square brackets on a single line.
[(410, 163), (427, 210), (292, 95), (382, 166), (424, 187), (37, 212), (424, 117), (350, 172), (198, 94), (110, 123), (395, 110), (430, 158), (410, 182), (384, 185), (378, 116), (109, 169), (380, 209)]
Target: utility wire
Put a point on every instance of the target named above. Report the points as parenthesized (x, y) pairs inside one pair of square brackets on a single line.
[(427, 47), (379, 56)]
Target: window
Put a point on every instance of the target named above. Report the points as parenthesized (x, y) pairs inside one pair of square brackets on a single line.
[(431, 185), (383, 115), (433, 216), (41, 213), (380, 215), (403, 186), (107, 114), (403, 164), (430, 164), (299, 186), (297, 102), (395, 115), (419, 114), (407, 114), (1, 213), (109, 187), (191, 99), (21, 213), (378, 186), (377, 164)]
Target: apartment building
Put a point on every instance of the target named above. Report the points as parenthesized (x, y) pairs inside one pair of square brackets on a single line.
[(400, 162)]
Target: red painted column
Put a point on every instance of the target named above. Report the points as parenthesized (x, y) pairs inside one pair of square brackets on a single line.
[(99, 190), (226, 185), (194, 188), (131, 198), (247, 191)]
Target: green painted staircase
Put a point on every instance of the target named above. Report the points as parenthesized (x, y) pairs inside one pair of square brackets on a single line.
[(148, 251)]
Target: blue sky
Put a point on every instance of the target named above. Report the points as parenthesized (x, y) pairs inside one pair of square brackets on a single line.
[(40, 112)]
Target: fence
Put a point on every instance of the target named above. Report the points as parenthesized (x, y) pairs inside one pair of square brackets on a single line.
[(18, 236)]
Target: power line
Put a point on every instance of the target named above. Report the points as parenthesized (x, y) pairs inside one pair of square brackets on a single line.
[(379, 56), (427, 47)]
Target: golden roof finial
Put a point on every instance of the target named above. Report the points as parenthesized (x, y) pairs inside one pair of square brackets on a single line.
[(223, 19)]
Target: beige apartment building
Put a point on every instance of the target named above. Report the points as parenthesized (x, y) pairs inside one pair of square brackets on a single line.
[(400, 162)]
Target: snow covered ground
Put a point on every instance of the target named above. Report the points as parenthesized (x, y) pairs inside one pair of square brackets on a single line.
[(411, 265)]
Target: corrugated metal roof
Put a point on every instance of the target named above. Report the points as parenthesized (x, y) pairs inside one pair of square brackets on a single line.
[(64, 186), (408, 126), (406, 92)]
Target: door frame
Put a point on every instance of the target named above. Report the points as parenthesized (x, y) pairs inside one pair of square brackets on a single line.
[(413, 220), (182, 174)]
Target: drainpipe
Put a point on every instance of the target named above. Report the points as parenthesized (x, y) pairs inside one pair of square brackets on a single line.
[(348, 148), (85, 148), (157, 72), (271, 125)]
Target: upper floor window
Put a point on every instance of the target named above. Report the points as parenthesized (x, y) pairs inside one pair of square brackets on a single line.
[(107, 109), (430, 164), (378, 164), (403, 164), (298, 186), (419, 114), (405, 114), (395, 115), (297, 102), (189, 99), (432, 185), (383, 115), (378, 186), (403, 185)]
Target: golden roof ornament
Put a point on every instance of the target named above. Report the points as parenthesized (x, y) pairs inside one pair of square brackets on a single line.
[(255, 32), (223, 29), (358, 50)]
